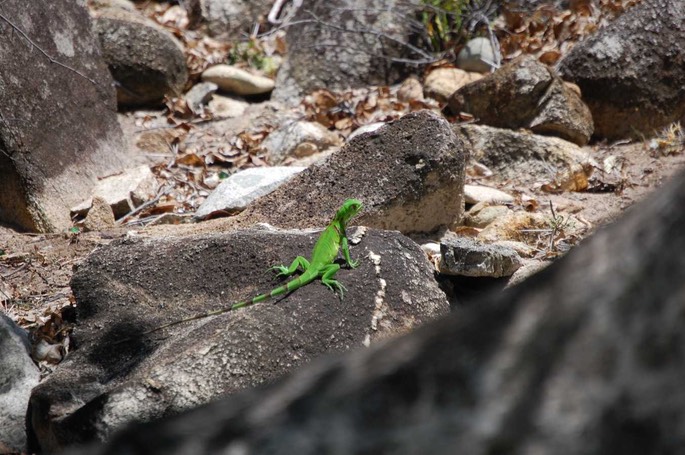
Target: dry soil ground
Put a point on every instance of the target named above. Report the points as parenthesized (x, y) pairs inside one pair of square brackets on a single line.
[(35, 270)]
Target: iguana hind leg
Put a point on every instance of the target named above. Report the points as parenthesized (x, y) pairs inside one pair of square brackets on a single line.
[(327, 273), (298, 262)]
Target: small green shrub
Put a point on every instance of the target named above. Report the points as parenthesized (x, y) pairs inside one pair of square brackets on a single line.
[(251, 52), (442, 20)]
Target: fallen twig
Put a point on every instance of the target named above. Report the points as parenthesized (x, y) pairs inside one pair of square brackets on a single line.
[(45, 54)]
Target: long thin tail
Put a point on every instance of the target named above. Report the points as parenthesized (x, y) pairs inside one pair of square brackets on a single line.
[(285, 289)]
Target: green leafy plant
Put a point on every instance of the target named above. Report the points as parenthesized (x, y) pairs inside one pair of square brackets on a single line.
[(450, 23), (442, 20), (252, 53)]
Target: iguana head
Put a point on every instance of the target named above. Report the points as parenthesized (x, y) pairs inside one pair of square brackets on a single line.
[(348, 210)]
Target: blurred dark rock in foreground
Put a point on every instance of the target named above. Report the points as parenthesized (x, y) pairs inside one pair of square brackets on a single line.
[(585, 357)]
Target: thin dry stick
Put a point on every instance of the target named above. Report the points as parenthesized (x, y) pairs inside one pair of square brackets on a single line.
[(14, 272), (48, 56), (162, 192), (425, 56)]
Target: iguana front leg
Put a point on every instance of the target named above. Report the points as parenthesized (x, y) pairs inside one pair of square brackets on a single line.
[(346, 253), (298, 262), (327, 273)]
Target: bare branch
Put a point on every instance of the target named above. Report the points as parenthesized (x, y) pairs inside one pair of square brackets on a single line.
[(426, 56), (410, 61), (276, 10), (45, 54)]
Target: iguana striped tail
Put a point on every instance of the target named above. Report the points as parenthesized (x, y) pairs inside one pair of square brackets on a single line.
[(288, 287)]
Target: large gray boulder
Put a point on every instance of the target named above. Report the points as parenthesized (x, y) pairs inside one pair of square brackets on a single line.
[(147, 61), (134, 285), (409, 174), (58, 125), (632, 71), (346, 43), (18, 375), (586, 357), (525, 93)]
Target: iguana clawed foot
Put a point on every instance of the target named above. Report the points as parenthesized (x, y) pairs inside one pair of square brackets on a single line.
[(298, 263), (334, 286)]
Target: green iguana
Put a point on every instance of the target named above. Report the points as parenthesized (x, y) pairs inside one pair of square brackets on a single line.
[(321, 265)]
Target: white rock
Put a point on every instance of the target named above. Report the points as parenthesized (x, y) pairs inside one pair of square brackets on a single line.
[(482, 214), (474, 194), (370, 128), (226, 107), (123, 192), (478, 55), (100, 216), (241, 188), (298, 139), (431, 248), (198, 96), (51, 353), (238, 81)]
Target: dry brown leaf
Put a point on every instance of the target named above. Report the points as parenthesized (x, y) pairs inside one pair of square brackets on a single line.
[(280, 44), (323, 99), (573, 179), (550, 57), (529, 204), (343, 124), (257, 161), (159, 209), (190, 159), (545, 27)]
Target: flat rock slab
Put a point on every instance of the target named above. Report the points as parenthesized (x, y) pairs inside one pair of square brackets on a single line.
[(137, 284), (58, 125), (473, 194), (469, 257), (243, 187)]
